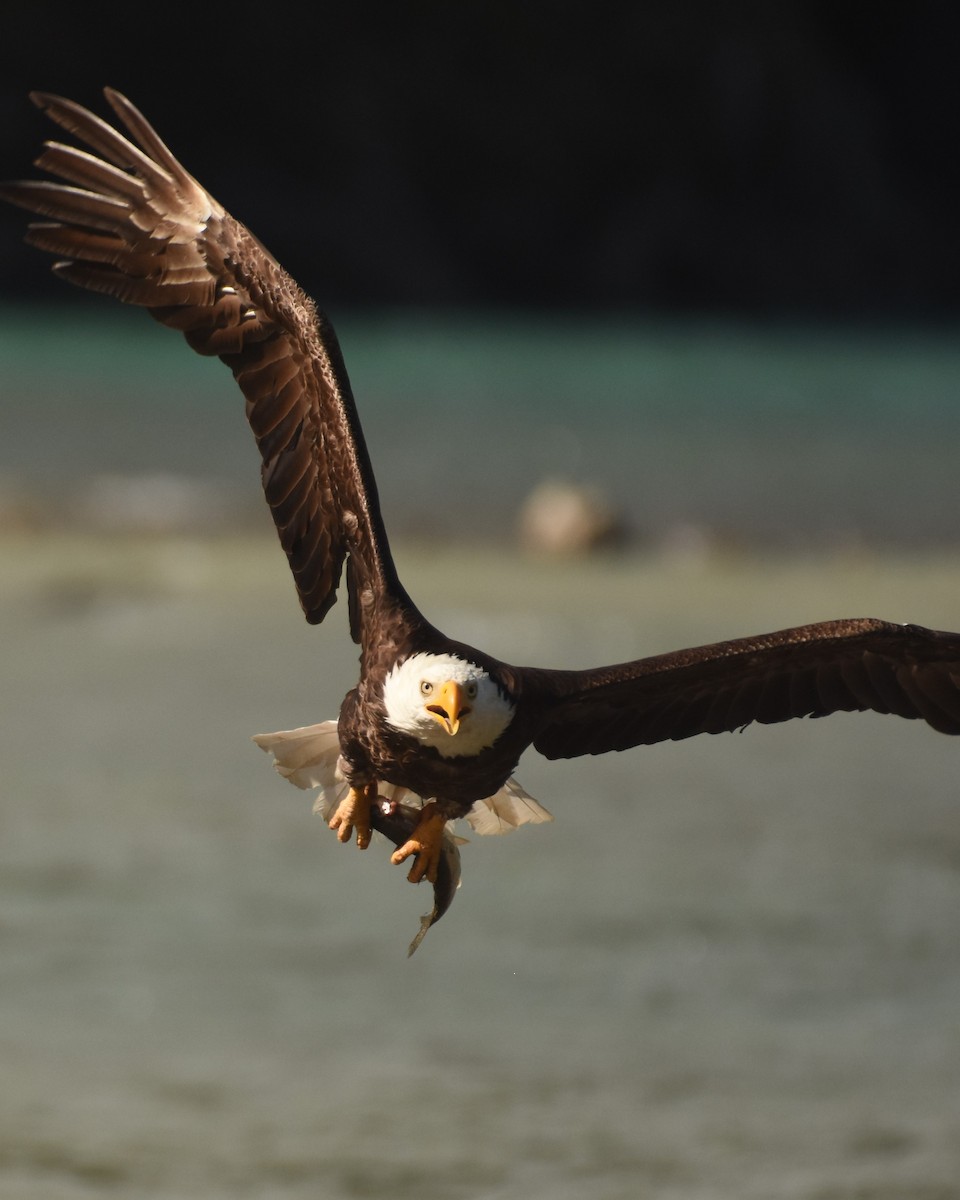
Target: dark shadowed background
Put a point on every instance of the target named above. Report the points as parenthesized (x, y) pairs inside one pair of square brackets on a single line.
[(748, 158)]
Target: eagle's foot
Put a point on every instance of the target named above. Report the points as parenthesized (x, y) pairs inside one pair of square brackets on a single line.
[(426, 842), (353, 812)]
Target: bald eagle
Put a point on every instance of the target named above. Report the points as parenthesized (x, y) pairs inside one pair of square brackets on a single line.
[(430, 718)]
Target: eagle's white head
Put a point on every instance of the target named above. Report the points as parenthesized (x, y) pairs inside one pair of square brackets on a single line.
[(447, 703)]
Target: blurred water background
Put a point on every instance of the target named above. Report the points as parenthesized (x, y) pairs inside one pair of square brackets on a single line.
[(730, 968), (776, 436)]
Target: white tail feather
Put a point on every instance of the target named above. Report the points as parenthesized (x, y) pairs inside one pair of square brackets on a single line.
[(309, 757), (506, 810)]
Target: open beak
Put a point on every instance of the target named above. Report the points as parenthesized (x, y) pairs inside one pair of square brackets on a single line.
[(449, 709)]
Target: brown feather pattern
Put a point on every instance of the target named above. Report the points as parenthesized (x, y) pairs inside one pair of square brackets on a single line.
[(808, 671), (131, 222)]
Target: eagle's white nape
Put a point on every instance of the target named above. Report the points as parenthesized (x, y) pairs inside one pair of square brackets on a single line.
[(490, 711)]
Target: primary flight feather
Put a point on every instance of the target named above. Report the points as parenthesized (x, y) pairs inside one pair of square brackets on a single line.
[(430, 717)]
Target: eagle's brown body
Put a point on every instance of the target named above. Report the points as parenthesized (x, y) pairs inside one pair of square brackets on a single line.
[(373, 752), (131, 222)]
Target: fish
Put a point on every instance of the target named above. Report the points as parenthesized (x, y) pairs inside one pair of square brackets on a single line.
[(309, 757), (396, 822)]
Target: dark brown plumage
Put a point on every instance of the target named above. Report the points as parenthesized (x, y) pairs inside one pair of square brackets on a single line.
[(132, 223)]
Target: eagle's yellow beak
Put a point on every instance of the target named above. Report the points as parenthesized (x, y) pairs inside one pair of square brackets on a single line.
[(448, 708)]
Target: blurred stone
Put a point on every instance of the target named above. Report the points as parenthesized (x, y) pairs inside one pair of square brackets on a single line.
[(565, 519)]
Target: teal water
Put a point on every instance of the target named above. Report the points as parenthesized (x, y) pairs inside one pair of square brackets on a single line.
[(778, 436)]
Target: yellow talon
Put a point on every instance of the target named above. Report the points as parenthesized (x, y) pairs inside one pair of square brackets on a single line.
[(353, 812), (426, 842)]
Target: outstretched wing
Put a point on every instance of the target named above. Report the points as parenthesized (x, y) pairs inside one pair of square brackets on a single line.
[(809, 671), (131, 222)]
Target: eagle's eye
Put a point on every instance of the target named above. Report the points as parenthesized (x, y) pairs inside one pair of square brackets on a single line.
[(471, 690), (426, 687)]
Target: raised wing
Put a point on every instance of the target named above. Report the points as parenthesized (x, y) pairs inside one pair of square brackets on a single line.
[(131, 222), (809, 671)]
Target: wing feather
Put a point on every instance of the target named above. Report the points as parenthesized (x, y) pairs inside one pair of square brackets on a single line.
[(811, 670), (128, 220)]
